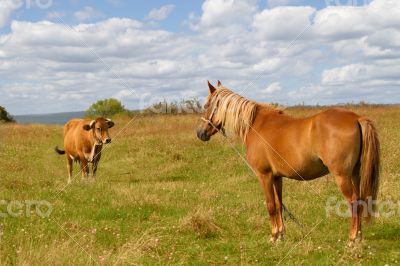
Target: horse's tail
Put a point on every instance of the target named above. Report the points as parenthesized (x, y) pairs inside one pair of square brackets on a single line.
[(369, 164), (61, 152)]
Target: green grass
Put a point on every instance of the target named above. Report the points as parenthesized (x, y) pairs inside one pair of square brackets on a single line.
[(164, 197)]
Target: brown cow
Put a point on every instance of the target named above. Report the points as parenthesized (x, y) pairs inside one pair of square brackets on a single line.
[(83, 142)]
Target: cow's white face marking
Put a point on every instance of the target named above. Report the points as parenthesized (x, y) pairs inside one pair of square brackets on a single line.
[(96, 149)]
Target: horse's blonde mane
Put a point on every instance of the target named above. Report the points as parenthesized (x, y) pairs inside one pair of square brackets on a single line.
[(233, 111)]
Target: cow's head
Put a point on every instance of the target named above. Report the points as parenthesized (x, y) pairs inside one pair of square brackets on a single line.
[(100, 127)]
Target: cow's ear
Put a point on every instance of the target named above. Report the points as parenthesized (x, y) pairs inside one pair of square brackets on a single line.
[(110, 123), (90, 126)]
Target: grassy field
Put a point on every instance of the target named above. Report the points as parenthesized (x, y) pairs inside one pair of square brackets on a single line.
[(164, 197)]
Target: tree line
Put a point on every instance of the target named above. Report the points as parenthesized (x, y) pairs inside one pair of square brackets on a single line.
[(111, 107)]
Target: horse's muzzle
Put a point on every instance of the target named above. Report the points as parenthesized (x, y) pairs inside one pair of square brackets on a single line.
[(202, 135)]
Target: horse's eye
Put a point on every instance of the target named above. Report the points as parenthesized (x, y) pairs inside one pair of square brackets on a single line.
[(99, 129), (206, 106)]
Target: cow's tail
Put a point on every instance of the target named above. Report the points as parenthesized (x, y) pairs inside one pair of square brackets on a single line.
[(61, 152), (369, 162)]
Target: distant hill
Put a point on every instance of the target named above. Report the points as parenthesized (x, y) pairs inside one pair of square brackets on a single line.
[(56, 118)]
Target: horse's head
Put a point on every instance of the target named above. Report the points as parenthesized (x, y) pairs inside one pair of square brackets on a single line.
[(209, 126)]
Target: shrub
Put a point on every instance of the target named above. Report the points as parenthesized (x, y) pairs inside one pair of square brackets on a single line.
[(5, 116), (106, 108)]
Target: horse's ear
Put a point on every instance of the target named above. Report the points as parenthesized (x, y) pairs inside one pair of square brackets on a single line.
[(211, 88), (219, 83)]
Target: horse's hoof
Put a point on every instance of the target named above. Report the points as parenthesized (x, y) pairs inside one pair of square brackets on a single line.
[(273, 239), (281, 237), (355, 240)]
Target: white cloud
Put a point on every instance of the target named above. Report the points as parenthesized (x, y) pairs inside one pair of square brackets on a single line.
[(317, 94), (6, 9), (346, 22), (363, 74), (160, 13), (343, 22), (268, 65), (225, 13), (347, 74), (273, 88), (387, 38), (88, 13), (125, 94), (232, 40), (283, 23)]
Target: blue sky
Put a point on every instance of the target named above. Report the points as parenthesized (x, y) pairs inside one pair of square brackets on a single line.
[(64, 56), (135, 9)]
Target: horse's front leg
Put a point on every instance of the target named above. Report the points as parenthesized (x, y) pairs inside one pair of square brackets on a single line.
[(267, 184), (278, 204)]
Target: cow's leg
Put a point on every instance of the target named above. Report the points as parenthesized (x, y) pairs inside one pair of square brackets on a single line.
[(94, 169), (95, 164), (69, 167), (351, 192), (84, 168), (278, 203), (267, 184)]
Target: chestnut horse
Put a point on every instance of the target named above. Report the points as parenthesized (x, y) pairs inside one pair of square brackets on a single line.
[(335, 141)]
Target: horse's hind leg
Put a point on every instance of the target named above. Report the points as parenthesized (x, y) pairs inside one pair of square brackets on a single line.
[(267, 184), (278, 204), (351, 191)]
